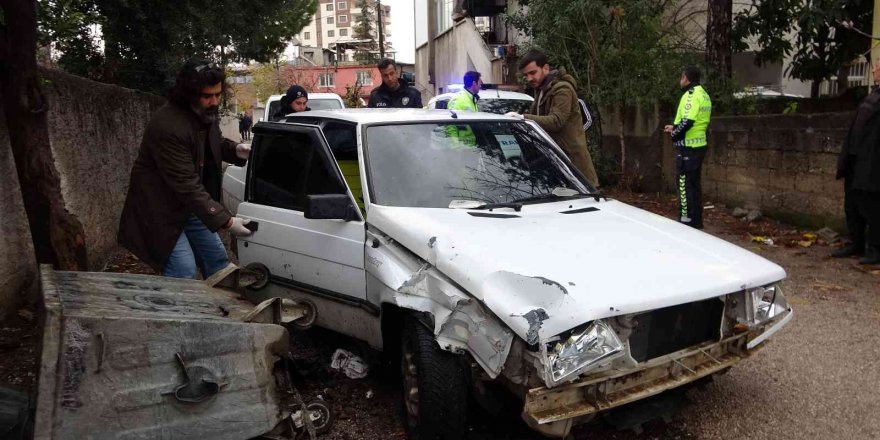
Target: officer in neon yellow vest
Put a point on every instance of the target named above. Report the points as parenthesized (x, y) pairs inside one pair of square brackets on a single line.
[(689, 139), (466, 101)]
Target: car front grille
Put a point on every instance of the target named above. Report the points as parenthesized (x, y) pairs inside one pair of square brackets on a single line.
[(667, 330)]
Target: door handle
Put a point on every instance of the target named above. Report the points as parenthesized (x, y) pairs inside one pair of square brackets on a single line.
[(253, 226)]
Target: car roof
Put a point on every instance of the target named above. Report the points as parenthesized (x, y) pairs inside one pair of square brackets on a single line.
[(311, 96), (491, 94), (392, 115)]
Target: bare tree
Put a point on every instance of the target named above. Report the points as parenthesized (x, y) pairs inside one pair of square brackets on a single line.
[(57, 234)]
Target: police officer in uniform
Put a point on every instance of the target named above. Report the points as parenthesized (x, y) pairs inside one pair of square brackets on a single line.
[(689, 139), (466, 100), (394, 91)]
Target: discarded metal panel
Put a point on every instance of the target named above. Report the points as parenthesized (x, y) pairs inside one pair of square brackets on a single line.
[(144, 357)]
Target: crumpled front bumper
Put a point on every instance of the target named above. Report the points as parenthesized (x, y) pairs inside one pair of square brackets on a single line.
[(554, 411)]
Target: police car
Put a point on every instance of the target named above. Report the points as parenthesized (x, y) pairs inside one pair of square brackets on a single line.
[(494, 100), (493, 261)]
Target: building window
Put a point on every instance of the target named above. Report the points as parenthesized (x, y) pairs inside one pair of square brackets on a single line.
[(343, 19), (329, 6), (365, 77), (331, 34), (307, 35), (325, 80), (341, 6), (329, 20), (343, 32)]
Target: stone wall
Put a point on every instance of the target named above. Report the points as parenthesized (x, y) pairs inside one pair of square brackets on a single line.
[(95, 130), (782, 164)]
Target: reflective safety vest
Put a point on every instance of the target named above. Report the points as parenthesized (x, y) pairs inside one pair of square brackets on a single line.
[(463, 135), (696, 106), (464, 101)]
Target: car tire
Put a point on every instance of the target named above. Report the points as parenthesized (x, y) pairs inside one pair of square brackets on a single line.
[(435, 392)]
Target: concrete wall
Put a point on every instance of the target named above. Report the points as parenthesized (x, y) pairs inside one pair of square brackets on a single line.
[(782, 164), (95, 130), (458, 50)]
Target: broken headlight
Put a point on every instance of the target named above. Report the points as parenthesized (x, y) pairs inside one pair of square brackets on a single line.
[(582, 350), (764, 303)]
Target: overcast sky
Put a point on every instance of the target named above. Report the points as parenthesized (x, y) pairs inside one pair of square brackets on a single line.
[(402, 29)]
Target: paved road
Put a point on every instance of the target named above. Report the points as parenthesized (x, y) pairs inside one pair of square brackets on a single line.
[(819, 378)]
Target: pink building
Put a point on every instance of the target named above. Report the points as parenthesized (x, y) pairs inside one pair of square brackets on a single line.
[(334, 79)]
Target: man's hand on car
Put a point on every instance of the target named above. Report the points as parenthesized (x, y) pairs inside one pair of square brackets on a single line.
[(236, 227), (514, 115), (243, 151)]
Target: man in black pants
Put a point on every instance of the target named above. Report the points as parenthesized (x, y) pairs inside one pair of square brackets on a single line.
[(859, 166)]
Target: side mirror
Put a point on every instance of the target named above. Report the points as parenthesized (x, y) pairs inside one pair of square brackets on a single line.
[(330, 207)]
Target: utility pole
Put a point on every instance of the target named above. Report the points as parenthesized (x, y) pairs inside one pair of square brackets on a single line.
[(379, 13), (432, 32)]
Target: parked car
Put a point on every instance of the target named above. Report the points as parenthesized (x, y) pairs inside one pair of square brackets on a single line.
[(492, 262), (317, 101)]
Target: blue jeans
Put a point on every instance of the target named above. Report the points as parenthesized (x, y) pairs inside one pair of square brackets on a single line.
[(197, 245)]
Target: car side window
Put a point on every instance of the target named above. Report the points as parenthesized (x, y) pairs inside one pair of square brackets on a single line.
[(342, 139), (286, 168)]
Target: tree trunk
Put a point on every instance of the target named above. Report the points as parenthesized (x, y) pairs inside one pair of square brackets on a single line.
[(814, 88), (57, 234), (842, 79), (620, 133), (718, 47)]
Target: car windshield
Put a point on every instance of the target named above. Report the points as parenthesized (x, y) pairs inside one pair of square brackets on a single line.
[(466, 164), (502, 106)]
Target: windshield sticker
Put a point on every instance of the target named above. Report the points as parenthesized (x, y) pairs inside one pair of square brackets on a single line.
[(508, 145)]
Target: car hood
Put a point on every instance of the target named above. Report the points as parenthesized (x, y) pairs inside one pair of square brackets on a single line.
[(543, 271)]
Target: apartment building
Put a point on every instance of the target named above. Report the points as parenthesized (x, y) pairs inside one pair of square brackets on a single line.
[(333, 28)]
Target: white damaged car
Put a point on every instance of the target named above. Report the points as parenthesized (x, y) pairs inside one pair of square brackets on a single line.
[(468, 247)]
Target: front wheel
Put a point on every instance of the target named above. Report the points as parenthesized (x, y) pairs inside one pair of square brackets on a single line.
[(435, 393)]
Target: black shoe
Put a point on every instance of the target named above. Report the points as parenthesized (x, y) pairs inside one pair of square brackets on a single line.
[(872, 256), (851, 250)]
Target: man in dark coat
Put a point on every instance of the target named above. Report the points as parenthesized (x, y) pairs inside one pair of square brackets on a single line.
[(172, 211), (394, 92), (859, 166), (294, 101)]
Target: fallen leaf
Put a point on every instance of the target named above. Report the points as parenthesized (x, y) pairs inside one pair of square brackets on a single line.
[(828, 286)]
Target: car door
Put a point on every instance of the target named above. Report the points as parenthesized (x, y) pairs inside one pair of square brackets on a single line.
[(326, 257)]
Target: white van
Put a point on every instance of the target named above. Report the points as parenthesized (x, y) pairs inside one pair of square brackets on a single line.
[(317, 101)]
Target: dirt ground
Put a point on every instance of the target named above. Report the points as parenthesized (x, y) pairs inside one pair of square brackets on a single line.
[(818, 378)]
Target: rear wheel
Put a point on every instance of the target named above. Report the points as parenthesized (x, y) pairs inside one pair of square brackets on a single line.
[(435, 393)]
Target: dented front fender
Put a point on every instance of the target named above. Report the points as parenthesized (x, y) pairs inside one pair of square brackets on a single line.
[(461, 323)]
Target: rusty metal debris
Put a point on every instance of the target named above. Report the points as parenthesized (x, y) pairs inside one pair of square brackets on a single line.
[(158, 357)]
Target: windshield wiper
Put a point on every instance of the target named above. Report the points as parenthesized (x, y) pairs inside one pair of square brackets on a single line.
[(515, 205), (550, 195)]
